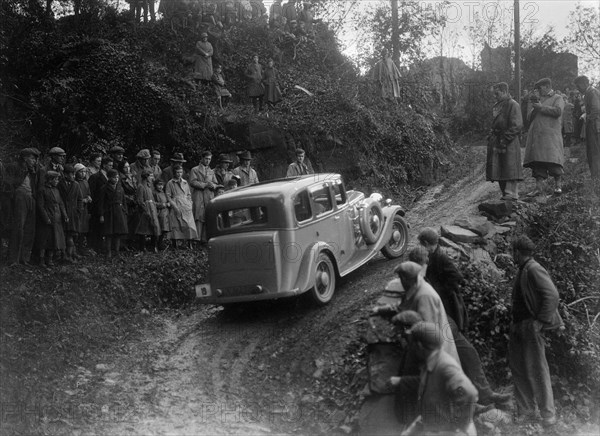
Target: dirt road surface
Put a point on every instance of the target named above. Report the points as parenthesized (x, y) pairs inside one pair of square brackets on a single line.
[(259, 371)]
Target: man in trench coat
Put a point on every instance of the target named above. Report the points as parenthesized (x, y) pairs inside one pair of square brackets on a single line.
[(203, 184), (544, 153), (504, 147), (592, 124)]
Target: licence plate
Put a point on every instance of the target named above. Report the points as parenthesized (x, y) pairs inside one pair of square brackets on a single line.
[(203, 290)]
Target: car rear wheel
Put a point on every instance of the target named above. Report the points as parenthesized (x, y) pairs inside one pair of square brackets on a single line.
[(324, 283), (398, 242), (371, 221)]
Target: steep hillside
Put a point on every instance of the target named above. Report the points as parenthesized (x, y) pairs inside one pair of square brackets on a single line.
[(85, 88)]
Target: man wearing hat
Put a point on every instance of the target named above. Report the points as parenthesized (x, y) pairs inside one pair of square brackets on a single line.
[(299, 167), (246, 174), (544, 152), (423, 299), (116, 153), (591, 98), (202, 184), (57, 160), (445, 395), (142, 163), (203, 69), (167, 173), (21, 183), (534, 311), (222, 173)]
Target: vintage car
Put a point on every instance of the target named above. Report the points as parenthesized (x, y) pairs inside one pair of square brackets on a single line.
[(289, 236)]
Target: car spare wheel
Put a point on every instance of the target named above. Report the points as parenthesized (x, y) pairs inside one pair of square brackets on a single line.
[(371, 220), (324, 281), (398, 242)]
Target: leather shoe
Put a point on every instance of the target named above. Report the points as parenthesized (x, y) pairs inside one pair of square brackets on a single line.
[(549, 422)]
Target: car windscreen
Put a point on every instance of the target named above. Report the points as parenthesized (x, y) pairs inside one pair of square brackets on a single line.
[(242, 217)]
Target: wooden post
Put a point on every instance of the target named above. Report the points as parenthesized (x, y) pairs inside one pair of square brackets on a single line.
[(517, 52)]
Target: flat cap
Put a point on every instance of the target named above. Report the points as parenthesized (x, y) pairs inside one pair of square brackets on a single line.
[(224, 158), (79, 167), (542, 82), (57, 150), (408, 270), (29, 152), (69, 168), (52, 174), (116, 149), (428, 334), (143, 154), (523, 243)]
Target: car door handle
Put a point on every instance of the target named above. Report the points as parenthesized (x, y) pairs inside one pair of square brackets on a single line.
[(337, 217)]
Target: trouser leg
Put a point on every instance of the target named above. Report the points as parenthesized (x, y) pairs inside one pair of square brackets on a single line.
[(471, 365), (592, 148), (518, 366), (511, 189), (502, 184), (23, 229)]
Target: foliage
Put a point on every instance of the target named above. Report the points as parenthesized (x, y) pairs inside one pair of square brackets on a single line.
[(584, 28)]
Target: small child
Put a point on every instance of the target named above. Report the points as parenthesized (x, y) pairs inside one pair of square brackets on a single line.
[(112, 207), (50, 236), (73, 199), (81, 173), (219, 189), (223, 95), (162, 206)]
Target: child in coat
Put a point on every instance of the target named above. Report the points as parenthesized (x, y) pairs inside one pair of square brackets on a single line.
[(148, 224), (73, 199), (84, 216), (162, 206), (51, 216), (111, 205)]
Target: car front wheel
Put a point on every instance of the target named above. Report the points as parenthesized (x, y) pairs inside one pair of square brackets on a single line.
[(398, 242), (324, 282)]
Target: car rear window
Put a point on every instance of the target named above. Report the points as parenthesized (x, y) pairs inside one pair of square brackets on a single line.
[(246, 216)]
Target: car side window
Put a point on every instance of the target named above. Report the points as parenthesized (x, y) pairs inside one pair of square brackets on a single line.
[(322, 200), (302, 207), (339, 192)]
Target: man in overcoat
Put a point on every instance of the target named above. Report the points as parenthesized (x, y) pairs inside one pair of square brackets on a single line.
[(534, 311), (299, 167), (544, 153), (22, 181), (504, 147), (591, 98), (244, 171), (203, 183)]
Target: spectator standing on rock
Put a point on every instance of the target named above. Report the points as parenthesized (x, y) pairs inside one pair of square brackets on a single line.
[(299, 168), (21, 183), (202, 183), (223, 95), (544, 153), (291, 15), (256, 90), (203, 69), (592, 124), (504, 147), (534, 311), (387, 76), (244, 171), (270, 80), (445, 278)]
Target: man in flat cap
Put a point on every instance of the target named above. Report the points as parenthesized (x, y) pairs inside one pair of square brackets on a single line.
[(222, 173), (445, 396), (22, 182), (244, 171), (534, 310), (424, 300), (544, 153), (57, 161), (591, 99), (117, 154), (141, 163)]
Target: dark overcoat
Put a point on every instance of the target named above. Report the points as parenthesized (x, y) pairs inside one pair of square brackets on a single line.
[(504, 146)]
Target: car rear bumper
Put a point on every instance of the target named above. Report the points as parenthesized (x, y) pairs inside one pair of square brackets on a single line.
[(227, 299)]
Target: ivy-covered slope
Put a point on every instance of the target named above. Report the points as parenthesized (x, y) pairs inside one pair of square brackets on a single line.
[(89, 88)]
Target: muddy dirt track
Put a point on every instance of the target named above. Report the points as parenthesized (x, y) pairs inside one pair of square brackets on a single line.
[(256, 371)]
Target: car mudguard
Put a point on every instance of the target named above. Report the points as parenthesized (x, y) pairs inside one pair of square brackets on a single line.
[(306, 276)]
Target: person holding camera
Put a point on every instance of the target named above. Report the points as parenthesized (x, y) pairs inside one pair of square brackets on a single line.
[(544, 152)]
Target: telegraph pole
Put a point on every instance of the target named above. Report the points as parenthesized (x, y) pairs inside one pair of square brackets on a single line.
[(517, 51)]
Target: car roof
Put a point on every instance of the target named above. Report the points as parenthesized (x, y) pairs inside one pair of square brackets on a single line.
[(287, 187)]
